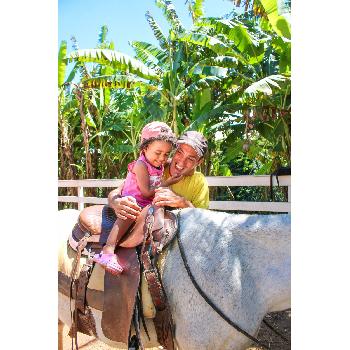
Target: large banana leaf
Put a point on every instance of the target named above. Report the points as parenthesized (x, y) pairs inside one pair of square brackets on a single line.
[(264, 85), (278, 14), (242, 38), (219, 61), (283, 47), (71, 75), (201, 99), (203, 83), (218, 110), (205, 40), (117, 60), (219, 72), (150, 54), (62, 62)]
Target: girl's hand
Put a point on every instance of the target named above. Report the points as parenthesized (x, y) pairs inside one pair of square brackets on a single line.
[(172, 180)]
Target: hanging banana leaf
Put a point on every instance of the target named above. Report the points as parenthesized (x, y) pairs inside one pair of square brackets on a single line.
[(157, 31), (89, 120), (116, 82), (264, 85), (170, 14), (116, 60)]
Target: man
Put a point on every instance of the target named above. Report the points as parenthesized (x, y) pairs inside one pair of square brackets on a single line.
[(191, 190)]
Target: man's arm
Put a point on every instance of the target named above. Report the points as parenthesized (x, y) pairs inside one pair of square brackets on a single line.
[(124, 207)]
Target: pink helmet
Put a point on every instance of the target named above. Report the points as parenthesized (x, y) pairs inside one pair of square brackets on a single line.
[(155, 130)]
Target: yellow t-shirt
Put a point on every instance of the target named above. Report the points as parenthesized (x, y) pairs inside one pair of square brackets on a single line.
[(194, 188)]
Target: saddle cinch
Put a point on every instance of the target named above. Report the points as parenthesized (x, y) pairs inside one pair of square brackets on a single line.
[(122, 307)]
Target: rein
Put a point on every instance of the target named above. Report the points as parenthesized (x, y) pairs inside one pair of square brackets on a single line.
[(206, 298)]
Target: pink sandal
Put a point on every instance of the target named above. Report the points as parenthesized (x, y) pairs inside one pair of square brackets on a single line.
[(109, 262)]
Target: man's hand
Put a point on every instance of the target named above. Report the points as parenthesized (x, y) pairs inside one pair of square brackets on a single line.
[(126, 207), (166, 197)]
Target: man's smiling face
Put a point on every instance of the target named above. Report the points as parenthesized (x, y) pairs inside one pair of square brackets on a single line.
[(185, 161)]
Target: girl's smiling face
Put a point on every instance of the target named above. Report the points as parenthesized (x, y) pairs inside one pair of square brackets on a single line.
[(157, 152)]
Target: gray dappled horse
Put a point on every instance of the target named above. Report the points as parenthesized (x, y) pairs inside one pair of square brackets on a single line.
[(241, 262)]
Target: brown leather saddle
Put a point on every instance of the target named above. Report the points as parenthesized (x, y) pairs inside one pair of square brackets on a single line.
[(153, 230), (95, 222)]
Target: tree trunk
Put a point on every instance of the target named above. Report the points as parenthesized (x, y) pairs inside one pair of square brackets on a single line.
[(67, 169), (176, 130), (84, 128)]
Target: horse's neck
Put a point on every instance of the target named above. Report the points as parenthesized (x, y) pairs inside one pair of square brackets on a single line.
[(246, 249)]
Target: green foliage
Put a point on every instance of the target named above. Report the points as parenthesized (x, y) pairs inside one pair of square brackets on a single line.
[(228, 78), (115, 60), (278, 14), (62, 63)]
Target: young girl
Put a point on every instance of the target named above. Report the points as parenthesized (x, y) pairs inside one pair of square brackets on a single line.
[(144, 175)]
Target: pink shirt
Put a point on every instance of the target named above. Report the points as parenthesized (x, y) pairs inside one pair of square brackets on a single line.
[(131, 188)]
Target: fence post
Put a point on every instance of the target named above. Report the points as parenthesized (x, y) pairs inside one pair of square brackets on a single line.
[(80, 195), (289, 194)]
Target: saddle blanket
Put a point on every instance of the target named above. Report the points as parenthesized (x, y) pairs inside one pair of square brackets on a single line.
[(95, 288)]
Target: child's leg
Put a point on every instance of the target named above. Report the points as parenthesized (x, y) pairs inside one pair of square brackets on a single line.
[(107, 258), (119, 229)]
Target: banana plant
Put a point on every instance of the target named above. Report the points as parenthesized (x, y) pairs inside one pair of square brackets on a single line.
[(258, 91), (219, 76), (66, 169), (275, 12), (172, 71)]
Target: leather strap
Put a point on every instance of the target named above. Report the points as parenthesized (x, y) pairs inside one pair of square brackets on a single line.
[(163, 320), (154, 285), (83, 280), (78, 288), (149, 270)]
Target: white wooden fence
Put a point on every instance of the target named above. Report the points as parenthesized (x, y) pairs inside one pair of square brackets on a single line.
[(244, 180)]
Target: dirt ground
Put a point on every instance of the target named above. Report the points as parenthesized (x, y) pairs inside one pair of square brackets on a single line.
[(281, 321)]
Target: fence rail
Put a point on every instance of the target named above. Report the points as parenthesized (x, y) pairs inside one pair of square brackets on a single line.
[(220, 181)]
